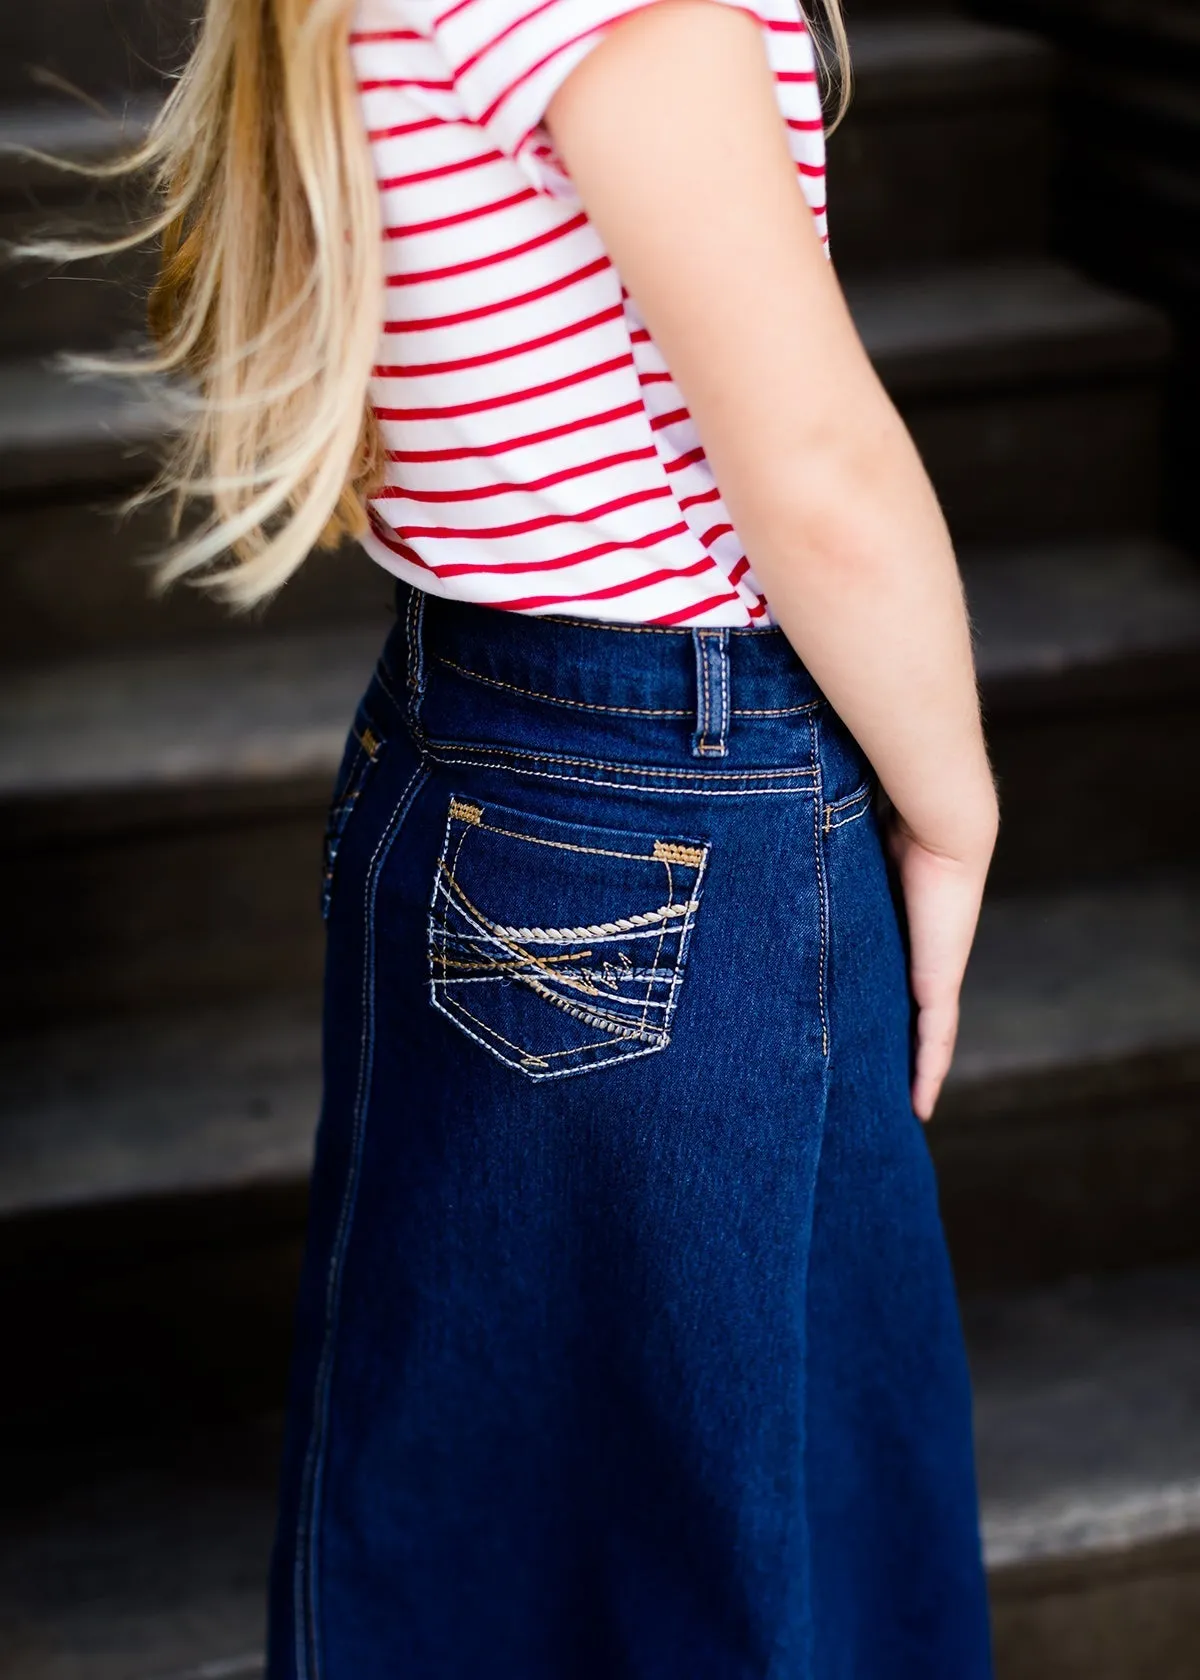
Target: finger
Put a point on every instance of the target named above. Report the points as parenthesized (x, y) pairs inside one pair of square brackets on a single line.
[(937, 1029)]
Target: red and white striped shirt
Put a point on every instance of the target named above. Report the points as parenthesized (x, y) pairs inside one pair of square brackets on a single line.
[(540, 456)]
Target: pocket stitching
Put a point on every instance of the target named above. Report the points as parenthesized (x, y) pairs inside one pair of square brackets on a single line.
[(508, 938), (648, 1036), (861, 799)]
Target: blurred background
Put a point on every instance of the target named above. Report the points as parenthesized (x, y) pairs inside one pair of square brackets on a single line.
[(1016, 214)]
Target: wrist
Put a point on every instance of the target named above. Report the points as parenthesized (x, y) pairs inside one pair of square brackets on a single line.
[(965, 836)]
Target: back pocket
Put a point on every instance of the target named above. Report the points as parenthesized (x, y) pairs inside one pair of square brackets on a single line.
[(560, 947)]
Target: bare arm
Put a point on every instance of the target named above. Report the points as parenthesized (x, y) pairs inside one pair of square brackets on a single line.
[(672, 135)]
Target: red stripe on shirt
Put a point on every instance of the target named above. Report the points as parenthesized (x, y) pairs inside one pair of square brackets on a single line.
[(431, 322), (526, 527), (481, 492), (476, 263), (398, 130), (440, 171), (362, 37), (629, 587), (486, 357), (694, 609), (598, 551), (484, 405), (429, 84), (481, 451), (460, 216)]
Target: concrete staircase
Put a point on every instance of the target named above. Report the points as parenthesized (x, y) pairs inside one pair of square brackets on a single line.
[(1128, 145), (163, 773)]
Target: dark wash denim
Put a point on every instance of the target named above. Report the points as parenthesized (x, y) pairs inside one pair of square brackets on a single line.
[(627, 1342)]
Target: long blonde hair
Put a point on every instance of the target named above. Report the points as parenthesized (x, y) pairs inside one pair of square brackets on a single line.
[(268, 296)]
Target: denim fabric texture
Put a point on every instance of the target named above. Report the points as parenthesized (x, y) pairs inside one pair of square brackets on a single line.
[(627, 1345)]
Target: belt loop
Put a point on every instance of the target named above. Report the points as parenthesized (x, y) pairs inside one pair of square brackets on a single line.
[(414, 626), (711, 736)]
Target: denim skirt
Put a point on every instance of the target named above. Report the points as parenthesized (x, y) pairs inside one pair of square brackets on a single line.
[(627, 1345)]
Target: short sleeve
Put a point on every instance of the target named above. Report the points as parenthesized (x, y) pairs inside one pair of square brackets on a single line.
[(508, 58)]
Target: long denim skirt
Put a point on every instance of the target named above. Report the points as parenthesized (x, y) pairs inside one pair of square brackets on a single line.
[(627, 1343)]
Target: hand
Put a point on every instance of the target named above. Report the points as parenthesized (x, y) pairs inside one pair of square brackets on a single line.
[(942, 895)]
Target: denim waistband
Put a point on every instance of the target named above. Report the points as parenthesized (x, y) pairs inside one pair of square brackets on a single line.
[(715, 680)]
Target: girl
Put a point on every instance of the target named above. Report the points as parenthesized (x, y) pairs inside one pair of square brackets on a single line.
[(627, 1343)]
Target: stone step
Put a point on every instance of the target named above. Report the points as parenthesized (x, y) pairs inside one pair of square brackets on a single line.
[(154, 1190), (150, 1561), (1140, 30), (1069, 1136), (1134, 140), (163, 815), (944, 156), (102, 51), (72, 587), (1089, 655), (1035, 396), (89, 305), (162, 810), (158, 1119), (1088, 1433), (64, 433)]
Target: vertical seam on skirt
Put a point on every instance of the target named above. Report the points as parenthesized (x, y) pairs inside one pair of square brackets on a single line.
[(803, 1577), (305, 1574)]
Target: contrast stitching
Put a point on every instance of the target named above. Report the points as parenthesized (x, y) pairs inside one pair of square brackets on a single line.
[(591, 1017), (448, 894), (701, 649), (670, 851), (861, 799), (596, 938), (715, 645), (528, 1061), (515, 753), (308, 1520), (570, 846), (776, 711), (655, 629), (529, 1058), (863, 792), (552, 936), (452, 1006), (709, 736), (455, 982), (624, 924), (844, 822), (416, 660), (625, 711), (497, 965), (805, 791), (454, 1010), (670, 907), (556, 699), (681, 954)]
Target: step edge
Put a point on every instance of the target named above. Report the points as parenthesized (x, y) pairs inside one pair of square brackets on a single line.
[(1085, 1529)]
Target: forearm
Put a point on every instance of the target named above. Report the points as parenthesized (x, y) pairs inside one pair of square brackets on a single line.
[(853, 552)]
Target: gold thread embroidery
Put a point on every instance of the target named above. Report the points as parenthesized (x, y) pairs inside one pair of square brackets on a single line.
[(667, 851), (464, 812)]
